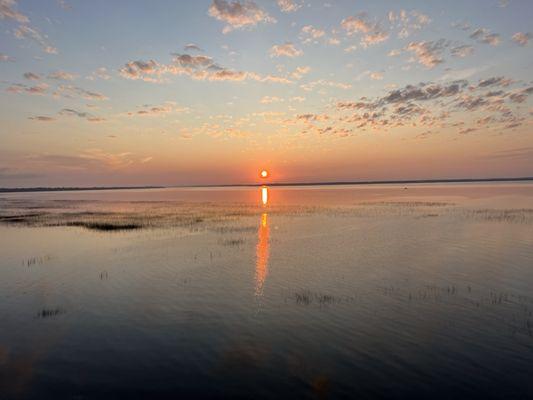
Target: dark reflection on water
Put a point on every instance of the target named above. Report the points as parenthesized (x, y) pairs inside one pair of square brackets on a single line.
[(420, 296)]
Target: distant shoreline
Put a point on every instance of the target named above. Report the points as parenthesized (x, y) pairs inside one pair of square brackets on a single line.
[(75, 189), (338, 183)]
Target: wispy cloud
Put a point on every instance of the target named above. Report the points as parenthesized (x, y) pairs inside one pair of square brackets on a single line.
[(8, 11), (27, 32)]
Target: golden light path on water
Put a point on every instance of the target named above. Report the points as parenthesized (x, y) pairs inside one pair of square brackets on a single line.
[(263, 246)]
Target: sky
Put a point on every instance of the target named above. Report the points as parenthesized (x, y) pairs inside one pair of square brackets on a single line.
[(161, 92)]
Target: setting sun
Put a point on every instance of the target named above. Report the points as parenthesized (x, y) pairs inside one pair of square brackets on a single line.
[(264, 173)]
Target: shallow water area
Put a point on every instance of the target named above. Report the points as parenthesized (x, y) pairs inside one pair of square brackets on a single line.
[(323, 292)]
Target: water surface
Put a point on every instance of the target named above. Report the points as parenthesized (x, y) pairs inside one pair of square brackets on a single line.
[(388, 291)]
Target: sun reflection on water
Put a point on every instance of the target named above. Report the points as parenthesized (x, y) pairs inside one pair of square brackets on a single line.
[(264, 195), (263, 247)]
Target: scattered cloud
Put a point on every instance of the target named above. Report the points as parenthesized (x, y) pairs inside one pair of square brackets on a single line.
[(465, 26), (100, 73), (503, 3), (519, 152), (350, 49), (372, 32), (80, 114), (71, 91), (466, 131), (357, 24), (64, 5), (200, 67), (31, 76), (192, 47), (61, 76), (429, 53), (271, 99), (408, 22), (483, 35), (286, 50), (195, 62), (521, 38), (42, 118), (299, 99), (165, 108), (494, 81), (238, 14), (325, 83), (140, 70), (299, 72), (434, 104), (493, 39), (288, 6), (309, 33), (462, 51), (39, 89)]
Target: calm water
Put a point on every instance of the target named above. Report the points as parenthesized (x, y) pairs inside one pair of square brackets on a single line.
[(322, 292)]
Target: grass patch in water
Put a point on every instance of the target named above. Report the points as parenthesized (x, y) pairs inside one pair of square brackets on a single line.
[(104, 226)]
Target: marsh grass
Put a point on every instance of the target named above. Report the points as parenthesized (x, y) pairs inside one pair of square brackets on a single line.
[(232, 242), (36, 260), (307, 297), (521, 215), (50, 312), (518, 315), (105, 226), (222, 218)]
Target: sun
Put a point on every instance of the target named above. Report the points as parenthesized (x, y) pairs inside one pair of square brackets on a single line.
[(264, 174)]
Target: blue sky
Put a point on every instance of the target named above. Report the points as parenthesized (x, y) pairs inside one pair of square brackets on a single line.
[(100, 92)]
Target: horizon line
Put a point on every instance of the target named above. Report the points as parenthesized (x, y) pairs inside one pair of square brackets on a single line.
[(255, 184)]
